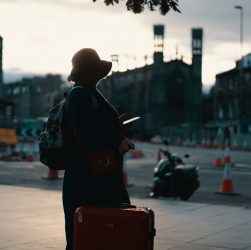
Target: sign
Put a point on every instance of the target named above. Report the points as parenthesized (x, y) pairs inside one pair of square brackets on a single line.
[(29, 132), (8, 136)]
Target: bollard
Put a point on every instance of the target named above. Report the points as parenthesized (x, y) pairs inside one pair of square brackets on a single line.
[(218, 161), (159, 156), (52, 175)]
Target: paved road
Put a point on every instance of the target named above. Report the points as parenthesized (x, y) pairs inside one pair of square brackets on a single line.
[(33, 218), (140, 172)]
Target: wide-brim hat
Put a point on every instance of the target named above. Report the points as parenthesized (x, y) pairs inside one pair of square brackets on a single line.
[(87, 65)]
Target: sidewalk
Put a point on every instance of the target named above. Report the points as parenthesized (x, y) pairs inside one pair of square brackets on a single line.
[(33, 219)]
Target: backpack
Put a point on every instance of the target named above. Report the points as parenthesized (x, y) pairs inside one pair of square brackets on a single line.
[(52, 146)]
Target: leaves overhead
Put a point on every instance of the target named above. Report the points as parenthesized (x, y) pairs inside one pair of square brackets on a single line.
[(138, 6)]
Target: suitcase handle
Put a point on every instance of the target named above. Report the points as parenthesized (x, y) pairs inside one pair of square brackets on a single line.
[(127, 205), (115, 205)]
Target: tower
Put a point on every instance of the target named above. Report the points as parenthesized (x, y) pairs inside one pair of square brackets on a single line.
[(158, 43), (1, 66), (197, 36), (1, 58), (195, 90)]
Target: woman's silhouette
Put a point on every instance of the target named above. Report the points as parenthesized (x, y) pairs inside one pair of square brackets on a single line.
[(95, 122)]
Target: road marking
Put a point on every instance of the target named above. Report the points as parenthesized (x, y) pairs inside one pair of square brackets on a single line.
[(241, 165)]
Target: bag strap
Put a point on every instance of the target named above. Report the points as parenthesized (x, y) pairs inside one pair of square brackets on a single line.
[(95, 106)]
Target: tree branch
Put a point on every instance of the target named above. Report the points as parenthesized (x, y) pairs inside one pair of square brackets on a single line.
[(138, 6)]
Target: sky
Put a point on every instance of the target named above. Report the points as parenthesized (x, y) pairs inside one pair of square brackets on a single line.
[(40, 36)]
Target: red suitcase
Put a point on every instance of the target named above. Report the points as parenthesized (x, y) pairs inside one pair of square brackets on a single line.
[(99, 228)]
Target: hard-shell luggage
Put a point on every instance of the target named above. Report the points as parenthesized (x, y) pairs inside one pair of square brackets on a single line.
[(102, 228)]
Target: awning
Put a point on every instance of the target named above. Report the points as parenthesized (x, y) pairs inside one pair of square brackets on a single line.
[(8, 136)]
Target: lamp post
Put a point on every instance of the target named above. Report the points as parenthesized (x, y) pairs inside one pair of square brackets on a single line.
[(241, 27), (241, 101)]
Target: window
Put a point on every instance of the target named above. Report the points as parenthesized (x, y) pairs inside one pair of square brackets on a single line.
[(8, 110), (24, 89), (230, 110), (9, 92), (16, 91), (220, 112), (38, 89), (197, 43)]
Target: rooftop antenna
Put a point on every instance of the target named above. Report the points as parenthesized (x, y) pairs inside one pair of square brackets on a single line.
[(177, 51), (115, 59)]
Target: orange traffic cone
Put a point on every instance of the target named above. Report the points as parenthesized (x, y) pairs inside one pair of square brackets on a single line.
[(125, 175), (227, 157), (137, 152), (218, 161), (227, 186), (29, 157), (52, 175), (216, 144), (159, 156)]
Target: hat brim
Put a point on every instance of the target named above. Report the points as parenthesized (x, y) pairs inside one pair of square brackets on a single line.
[(104, 68), (100, 71)]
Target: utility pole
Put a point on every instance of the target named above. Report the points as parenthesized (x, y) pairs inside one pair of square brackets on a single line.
[(241, 84)]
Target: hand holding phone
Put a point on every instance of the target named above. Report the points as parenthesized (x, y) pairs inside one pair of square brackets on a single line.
[(125, 124)]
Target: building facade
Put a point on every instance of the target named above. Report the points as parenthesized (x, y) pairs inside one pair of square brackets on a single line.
[(163, 93), (232, 97), (33, 97)]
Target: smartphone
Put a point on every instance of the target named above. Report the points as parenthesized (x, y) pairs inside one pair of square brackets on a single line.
[(131, 120)]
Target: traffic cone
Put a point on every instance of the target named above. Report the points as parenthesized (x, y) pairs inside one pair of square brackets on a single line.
[(227, 186), (159, 156), (29, 157), (218, 161), (137, 152), (203, 143), (245, 145), (216, 144), (193, 143), (208, 143), (125, 175), (227, 157), (235, 145), (52, 175)]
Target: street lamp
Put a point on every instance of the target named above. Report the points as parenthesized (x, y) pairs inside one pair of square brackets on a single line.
[(241, 27), (241, 104)]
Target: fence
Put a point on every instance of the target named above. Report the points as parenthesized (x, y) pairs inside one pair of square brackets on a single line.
[(201, 136)]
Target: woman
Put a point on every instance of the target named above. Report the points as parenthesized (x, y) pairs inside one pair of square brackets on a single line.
[(91, 121)]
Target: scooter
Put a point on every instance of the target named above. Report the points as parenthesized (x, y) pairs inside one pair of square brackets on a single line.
[(173, 178)]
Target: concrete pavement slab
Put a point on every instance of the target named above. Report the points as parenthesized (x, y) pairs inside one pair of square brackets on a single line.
[(32, 218)]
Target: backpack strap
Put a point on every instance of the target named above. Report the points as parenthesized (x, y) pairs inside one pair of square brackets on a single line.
[(95, 107)]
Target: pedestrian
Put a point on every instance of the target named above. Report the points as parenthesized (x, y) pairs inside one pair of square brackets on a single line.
[(90, 121)]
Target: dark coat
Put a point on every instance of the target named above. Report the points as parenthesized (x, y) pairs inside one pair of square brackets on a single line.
[(97, 127)]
